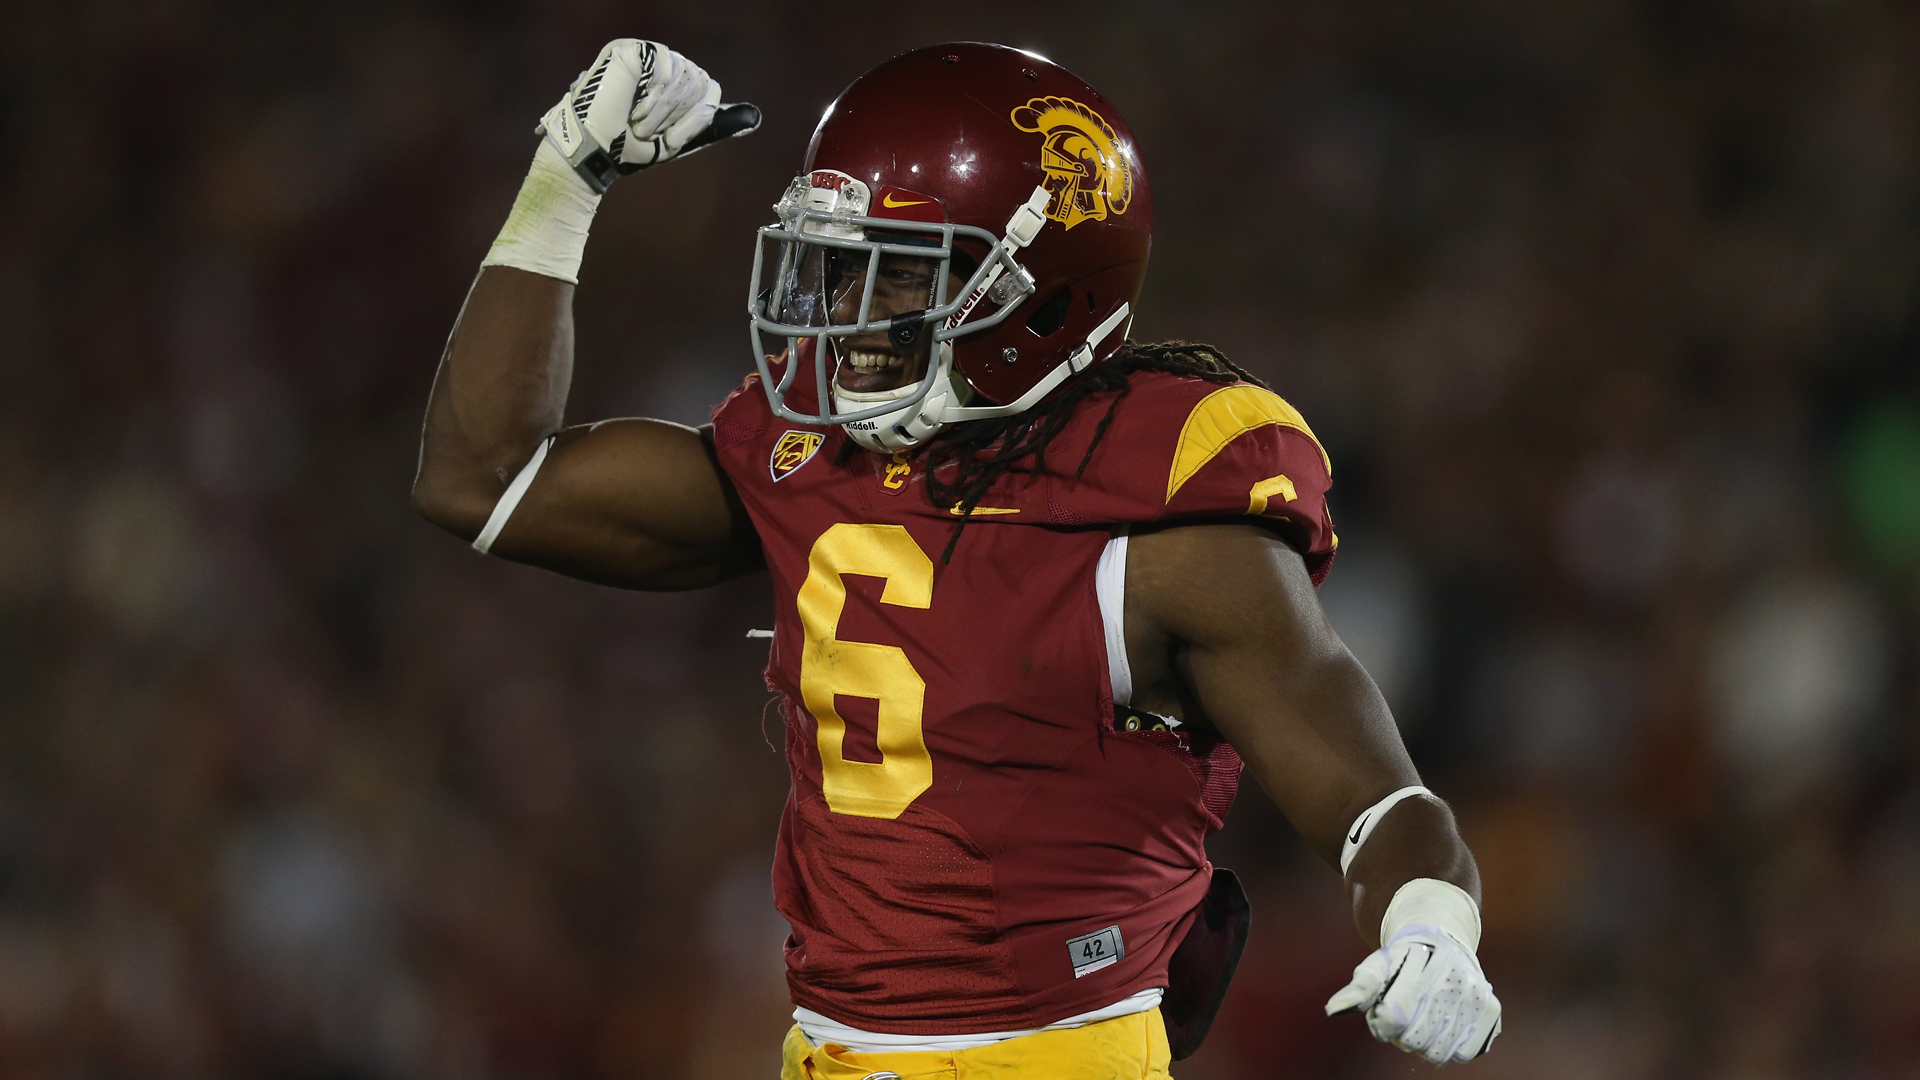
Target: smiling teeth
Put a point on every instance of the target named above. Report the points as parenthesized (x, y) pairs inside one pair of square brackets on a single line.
[(873, 361)]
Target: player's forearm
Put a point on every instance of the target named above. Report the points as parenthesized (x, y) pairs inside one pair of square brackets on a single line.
[(503, 380), (1345, 717), (1315, 731), (501, 388), (1416, 839), (1330, 768)]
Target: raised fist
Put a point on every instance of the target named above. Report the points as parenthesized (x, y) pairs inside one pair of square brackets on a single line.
[(639, 104)]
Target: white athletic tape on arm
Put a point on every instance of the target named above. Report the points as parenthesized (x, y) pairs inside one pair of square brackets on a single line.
[(1363, 825), (546, 231), (1431, 902), (503, 509)]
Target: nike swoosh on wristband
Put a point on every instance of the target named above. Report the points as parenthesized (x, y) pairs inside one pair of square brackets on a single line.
[(1358, 824), (887, 201)]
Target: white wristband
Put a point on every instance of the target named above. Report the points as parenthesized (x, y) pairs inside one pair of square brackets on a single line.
[(1363, 825), (1431, 902), (546, 231), (510, 498)]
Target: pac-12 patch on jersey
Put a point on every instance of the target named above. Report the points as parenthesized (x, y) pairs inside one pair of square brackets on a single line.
[(794, 449)]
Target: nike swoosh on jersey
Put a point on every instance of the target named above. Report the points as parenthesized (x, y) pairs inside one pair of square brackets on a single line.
[(887, 201), (955, 511)]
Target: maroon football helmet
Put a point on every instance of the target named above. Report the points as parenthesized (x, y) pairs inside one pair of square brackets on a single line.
[(1012, 173)]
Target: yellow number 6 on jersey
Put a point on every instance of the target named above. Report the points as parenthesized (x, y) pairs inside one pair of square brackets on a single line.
[(829, 666)]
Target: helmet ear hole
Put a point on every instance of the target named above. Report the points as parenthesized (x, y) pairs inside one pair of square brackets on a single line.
[(1050, 316)]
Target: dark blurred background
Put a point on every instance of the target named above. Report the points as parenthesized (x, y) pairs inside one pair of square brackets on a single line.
[(1605, 309)]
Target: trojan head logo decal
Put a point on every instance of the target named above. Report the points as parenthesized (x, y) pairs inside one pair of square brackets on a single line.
[(1087, 170), (794, 449)]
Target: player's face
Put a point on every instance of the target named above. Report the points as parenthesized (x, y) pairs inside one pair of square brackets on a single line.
[(905, 283)]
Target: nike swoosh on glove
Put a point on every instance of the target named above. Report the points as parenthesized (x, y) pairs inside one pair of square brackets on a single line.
[(1424, 992), (637, 105)]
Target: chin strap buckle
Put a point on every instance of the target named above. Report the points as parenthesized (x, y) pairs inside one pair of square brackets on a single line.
[(1026, 221)]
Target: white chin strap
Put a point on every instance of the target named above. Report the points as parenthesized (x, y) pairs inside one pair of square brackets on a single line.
[(911, 425)]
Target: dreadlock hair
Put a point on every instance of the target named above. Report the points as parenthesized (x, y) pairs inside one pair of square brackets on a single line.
[(986, 449)]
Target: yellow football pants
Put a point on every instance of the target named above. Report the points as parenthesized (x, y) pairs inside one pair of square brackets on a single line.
[(1124, 1048)]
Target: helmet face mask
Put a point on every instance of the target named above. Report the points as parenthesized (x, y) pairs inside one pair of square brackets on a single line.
[(823, 275), (967, 207)]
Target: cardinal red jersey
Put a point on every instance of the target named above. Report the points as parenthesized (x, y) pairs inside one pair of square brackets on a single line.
[(970, 844)]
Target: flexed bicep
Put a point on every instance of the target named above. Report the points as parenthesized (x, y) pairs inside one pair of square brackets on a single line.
[(635, 503)]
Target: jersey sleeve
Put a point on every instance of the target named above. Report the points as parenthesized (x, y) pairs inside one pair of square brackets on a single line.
[(1185, 449), (740, 425), (1242, 450), (741, 414)]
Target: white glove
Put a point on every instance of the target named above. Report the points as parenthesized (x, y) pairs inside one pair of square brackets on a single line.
[(639, 104), (1424, 992)]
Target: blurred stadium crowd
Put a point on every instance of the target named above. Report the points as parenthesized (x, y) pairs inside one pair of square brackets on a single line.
[(1607, 311)]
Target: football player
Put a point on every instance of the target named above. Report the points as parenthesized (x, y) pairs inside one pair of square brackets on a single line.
[(1040, 590)]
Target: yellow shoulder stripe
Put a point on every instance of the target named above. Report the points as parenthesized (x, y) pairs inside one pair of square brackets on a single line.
[(1223, 416)]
